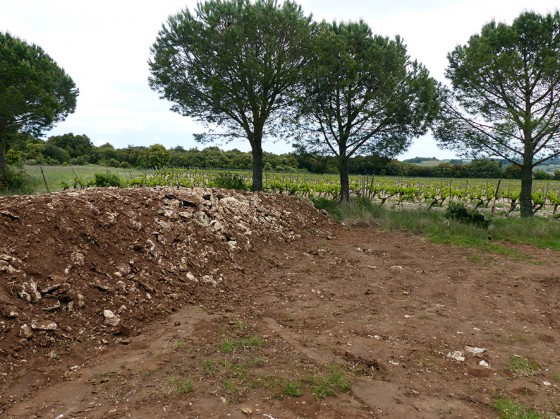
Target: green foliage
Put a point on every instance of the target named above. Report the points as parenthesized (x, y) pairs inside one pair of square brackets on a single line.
[(13, 157), (55, 155), (513, 171), (156, 156), (458, 212), (542, 175), (293, 389), (77, 146), (233, 63), (522, 367), (363, 95), (330, 384), (34, 92), (104, 180), (228, 180), (16, 181), (510, 409), (487, 111), (329, 205), (230, 345)]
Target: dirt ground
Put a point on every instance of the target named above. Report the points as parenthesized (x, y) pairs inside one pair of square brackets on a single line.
[(164, 303)]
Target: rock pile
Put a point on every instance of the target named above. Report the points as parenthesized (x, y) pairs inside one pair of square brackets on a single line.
[(78, 265)]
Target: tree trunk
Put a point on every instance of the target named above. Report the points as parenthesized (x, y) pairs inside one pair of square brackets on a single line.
[(256, 150), (3, 163), (526, 197), (344, 181)]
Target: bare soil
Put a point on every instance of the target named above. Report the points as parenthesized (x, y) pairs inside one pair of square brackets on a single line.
[(226, 304)]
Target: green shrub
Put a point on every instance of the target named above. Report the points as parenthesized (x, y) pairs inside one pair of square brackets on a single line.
[(458, 212), (227, 180), (108, 179), (17, 181), (542, 175)]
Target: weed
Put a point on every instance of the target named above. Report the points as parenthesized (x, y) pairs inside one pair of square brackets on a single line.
[(180, 343), (108, 179), (16, 181), (457, 211), (228, 346), (293, 389), (325, 386), (240, 324), (180, 385), (228, 180), (209, 365), (522, 367), (510, 409)]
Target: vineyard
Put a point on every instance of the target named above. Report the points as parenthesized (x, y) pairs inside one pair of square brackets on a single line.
[(499, 196)]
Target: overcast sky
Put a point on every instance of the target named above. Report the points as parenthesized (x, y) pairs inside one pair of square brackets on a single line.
[(104, 46)]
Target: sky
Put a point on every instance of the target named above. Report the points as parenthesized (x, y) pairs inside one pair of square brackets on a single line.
[(105, 46)]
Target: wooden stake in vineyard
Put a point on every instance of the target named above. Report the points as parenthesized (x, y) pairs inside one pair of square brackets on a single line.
[(496, 197)]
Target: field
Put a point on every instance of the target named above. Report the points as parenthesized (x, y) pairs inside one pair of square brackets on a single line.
[(167, 302), (498, 196)]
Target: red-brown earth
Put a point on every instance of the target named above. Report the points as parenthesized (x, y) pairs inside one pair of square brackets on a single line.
[(211, 303)]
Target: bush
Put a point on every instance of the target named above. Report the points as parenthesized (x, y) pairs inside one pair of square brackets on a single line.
[(541, 175), (17, 181), (458, 212), (104, 180), (228, 180)]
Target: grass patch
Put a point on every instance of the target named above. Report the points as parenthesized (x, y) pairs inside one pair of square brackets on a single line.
[(180, 385), (510, 409), (293, 389), (536, 231), (323, 386), (522, 367), (16, 181), (228, 345), (59, 177)]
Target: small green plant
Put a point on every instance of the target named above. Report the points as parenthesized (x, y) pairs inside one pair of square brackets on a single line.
[(180, 385), (208, 364), (510, 409), (522, 367), (17, 181), (227, 180), (293, 389), (458, 212), (240, 324), (325, 386), (228, 345), (180, 343), (104, 180)]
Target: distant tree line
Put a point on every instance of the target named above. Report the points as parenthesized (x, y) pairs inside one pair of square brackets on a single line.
[(70, 149)]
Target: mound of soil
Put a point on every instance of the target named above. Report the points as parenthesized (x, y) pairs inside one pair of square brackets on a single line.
[(98, 264), (208, 303)]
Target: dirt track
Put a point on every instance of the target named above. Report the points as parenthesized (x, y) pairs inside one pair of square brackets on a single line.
[(308, 300)]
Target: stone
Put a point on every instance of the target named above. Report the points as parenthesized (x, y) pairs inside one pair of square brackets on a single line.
[(474, 350), (28, 291), (484, 364), (77, 258), (43, 325), (111, 319), (54, 307), (25, 331), (456, 356)]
